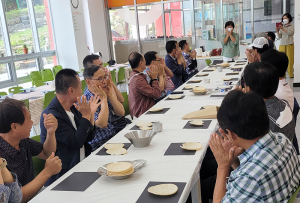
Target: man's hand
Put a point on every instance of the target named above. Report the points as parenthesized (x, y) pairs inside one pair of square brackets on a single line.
[(227, 144), (109, 92), (160, 69), (99, 91), (223, 158), (83, 107), (193, 54), (94, 103), (178, 53), (50, 123), (107, 72), (53, 165), (153, 72), (240, 88)]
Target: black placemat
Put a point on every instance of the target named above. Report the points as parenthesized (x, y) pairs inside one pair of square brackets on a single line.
[(175, 149), (159, 112), (198, 76), (77, 181), (147, 197), (232, 79), (23, 92), (207, 70), (176, 99), (193, 82), (241, 61), (177, 92), (232, 73), (189, 89), (205, 126), (217, 62), (103, 150), (217, 95)]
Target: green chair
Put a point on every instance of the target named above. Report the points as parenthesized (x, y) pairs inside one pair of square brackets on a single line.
[(15, 90), (26, 101), (47, 75), (121, 75), (38, 83), (35, 75), (38, 164), (83, 83), (56, 69), (48, 98), (126, 103), (113, 75), (208, 62), (294, 196), (105, 64), (3, 93)]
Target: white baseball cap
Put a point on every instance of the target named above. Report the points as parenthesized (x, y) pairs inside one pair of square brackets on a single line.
[(259, 42)]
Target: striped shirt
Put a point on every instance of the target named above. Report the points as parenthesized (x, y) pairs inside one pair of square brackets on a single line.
[(269, 171)]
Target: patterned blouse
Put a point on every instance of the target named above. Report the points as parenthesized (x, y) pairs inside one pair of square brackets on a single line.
[(231, 49)]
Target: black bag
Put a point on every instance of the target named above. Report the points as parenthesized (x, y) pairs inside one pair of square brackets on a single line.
[(119, 122)]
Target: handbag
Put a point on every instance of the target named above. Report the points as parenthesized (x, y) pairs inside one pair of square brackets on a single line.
[(119, 122)]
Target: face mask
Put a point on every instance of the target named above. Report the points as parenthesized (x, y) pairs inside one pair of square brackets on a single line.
[(229, 29), (285, 21)]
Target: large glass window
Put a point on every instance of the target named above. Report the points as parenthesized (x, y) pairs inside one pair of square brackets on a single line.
[(19, 26), (49, 62), (43, 23), (24, 68), (5, 72)]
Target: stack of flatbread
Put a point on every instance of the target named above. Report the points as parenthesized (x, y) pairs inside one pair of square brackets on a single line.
[(199, 89), (115, 149), (144, 125), (119, 169), (208, 112), (224, 64)]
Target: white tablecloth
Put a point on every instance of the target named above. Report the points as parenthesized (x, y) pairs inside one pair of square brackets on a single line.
[(159, 167)]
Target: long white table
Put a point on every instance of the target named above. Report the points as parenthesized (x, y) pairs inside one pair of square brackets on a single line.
[(183, 168)]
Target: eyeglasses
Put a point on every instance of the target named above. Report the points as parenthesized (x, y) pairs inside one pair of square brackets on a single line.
[(101, 79)]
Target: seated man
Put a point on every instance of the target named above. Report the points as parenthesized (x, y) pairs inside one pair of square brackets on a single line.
[(18, 149), (258, 47), (263, 78), (152, 59), (141, 93), (266, 164), (190, 58), (75, 123), (281, 62), (176, 63), (98, 83), (93, 59)]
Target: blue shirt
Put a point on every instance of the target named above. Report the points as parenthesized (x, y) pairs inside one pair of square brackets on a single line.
[(101, 133), (269, 171), (178, 70)]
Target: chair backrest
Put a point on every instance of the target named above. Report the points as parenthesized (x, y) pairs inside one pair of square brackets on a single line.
[(47, 75), (293, 198), (35, 75), (15, 90), (3, 93), (83, 83), (48, 98), (208, 62), (113, 75), (26, 101), (105, 64), (38, 164), (56, 69), (121, 74), (38, 83), (126, 103)]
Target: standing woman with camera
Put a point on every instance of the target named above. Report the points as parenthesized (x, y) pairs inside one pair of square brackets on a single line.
[(286, 34)]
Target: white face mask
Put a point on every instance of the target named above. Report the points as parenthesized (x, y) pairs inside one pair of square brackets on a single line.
[(285, 21), (229, 29)]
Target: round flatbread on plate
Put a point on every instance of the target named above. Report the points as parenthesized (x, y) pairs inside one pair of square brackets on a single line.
[(163, 189), (174, 97), (143, 123), (114, 146), (189, 87), (226, 79), (195, 80), (119, 167), (156, 109), (116, 151), (191, 146)]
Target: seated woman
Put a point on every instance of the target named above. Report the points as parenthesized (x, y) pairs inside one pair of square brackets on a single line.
[(10, 188)]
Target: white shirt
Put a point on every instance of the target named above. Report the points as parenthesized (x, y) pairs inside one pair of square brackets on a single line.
[(71, 117), (285, 92)]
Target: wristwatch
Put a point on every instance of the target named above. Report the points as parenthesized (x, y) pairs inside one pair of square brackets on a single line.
[(4, 164), (153, 79)]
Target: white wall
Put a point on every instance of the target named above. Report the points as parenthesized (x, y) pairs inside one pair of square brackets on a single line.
[(70, 37), (95, 26), (297, 42)]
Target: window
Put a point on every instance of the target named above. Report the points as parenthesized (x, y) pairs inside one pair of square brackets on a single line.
[(49, 62), (43, 23), (4, 72), (19, 27), (24, 68)]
